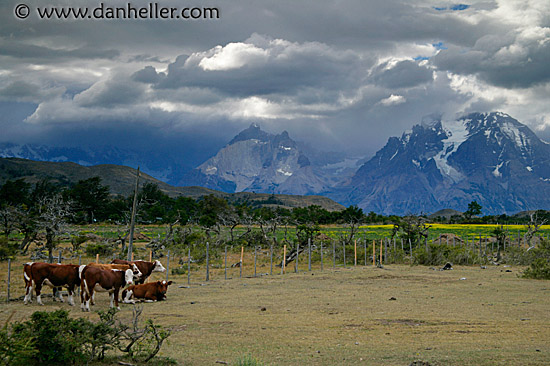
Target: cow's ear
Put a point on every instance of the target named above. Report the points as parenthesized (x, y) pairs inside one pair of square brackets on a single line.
[(169, 282)]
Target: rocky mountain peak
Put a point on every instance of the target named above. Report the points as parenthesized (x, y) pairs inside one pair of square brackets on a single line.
[(253, 132), (488, 157)]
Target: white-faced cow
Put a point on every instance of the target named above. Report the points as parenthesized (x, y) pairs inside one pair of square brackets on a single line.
[(53, 275), (153, 291), (102, 280), (135, 270), (145, 267)]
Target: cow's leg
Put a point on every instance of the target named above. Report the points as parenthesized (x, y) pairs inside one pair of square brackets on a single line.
[(150, 297), (57, 294), (84, 295), (89, 297), (70, 290), (112, 296), (115, 293), (38, 289), (126, 299), (28, 292), (82, 290)]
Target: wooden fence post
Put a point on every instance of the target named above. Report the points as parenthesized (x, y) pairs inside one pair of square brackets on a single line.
[(167, 265), (297, 257), (189, 267), (381, 246), (59, 257), (355, 252), (374, 253), (97, 258), (9, 280), (150, 255), (207, 262), (241, 263), (333, 254), (365, 244), (284, 260), (411, 250), (225, 264), (271, 260), (309, 254), (255, 255), (321, 255)]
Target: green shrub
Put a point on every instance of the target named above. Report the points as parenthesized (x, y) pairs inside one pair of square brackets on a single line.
[(179, 271), (7, 249), (518, 256), (248, 360), (439, 254), (103, 249), (15, 350), (52, 338), (540, 266)]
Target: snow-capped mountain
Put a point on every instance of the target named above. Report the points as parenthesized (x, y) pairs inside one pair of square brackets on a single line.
[(258, 161), (490, 157)]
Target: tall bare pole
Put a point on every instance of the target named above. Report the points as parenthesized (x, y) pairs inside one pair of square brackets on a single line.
[(133, 219)]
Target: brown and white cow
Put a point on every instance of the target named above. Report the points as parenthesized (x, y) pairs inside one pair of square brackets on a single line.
[(145, 267), (124, 267), (53, 275), (152, 291), (102, 280)]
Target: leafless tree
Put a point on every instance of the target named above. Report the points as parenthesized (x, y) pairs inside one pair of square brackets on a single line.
[(412, 227), (53, 213), (533, 226)]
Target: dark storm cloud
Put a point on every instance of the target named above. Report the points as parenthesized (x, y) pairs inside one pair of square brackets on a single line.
[(334, 73), (147, 75), (261, 66), (46, 54), (512, 60), (110, 93), (402, 75)]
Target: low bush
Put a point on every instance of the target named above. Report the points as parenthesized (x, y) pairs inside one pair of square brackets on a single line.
[(248, 360), (439, 254), (103, 249), (52, 338), (540, 266), (7, 249)]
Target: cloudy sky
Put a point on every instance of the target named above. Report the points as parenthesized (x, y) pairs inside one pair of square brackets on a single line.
[(341, 75)]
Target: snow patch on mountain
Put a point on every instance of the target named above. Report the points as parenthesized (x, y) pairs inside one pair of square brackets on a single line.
[(457, 133)]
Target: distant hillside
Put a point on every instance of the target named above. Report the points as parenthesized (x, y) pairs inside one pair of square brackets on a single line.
[(121, 181), (446, 213)]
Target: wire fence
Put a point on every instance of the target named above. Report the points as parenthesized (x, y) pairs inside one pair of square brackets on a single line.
[(188, 266)]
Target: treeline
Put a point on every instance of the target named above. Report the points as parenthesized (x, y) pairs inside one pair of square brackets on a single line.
[(89, 201)]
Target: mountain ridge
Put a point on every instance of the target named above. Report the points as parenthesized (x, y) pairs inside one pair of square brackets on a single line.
[(488, 157), (121, 180)]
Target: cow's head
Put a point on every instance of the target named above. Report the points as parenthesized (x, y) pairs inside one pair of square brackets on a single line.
[(129, 277), (162, 286), (158, 267), (136, 272)]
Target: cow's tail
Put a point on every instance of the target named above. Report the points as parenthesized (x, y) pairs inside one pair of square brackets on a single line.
[(80, 269)]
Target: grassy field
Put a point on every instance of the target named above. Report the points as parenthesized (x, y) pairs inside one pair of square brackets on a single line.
[(353, 316)]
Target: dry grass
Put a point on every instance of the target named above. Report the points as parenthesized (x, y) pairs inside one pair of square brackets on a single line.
[(349, 317)]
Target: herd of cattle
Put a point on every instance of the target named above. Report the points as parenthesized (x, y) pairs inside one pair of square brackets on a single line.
[(129, 276)]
